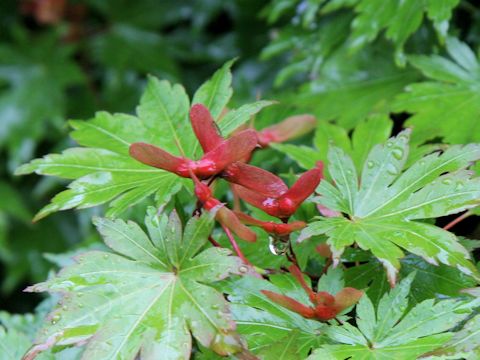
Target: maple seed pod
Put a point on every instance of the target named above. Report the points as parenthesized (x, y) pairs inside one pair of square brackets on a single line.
[(324, 306), (285, 204), (288, 129)]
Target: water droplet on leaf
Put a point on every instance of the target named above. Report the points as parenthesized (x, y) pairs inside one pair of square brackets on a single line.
[(243, 269), (55, 319), (370, 164), (276, 246), (392, 170), (397, 153)]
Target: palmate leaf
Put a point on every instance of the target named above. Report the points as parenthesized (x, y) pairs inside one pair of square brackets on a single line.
[(272, 331), (381, 207), (389, 332), (448, 105), (103, 170), (149, 296), (400, 19)]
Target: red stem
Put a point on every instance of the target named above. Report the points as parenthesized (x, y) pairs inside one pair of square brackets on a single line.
[(457, 220), (213, 242), (235, 246)]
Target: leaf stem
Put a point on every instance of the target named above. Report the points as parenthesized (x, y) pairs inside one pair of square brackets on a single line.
[(235, 246), (213, 242), (457, 220)]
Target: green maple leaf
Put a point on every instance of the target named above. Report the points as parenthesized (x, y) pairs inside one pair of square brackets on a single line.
[(448, 105), (400, 19), (103, 170), (380, 207), (149, 296), (392, 332)]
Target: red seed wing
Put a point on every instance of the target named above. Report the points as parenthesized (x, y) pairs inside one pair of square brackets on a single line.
[(253, 198), (290, 128), (154, 156), (324, 313), (297, 274), (305, 185), (296, 225), (227, 217), (247, 219), (254, 178), (235, 148), (346, 298), (205, 128), (289, 303)]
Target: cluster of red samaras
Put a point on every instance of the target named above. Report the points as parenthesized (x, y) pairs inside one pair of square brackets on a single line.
[(226, 158)]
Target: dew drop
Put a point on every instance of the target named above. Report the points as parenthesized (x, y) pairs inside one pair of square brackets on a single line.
[(55, 319), (276, 246), (422, 162), (215, 307), (80, 305), (105, 256), (392, 170), (459, 186), (243, 269), (447, 181), (389, 144), (64, 307), (397, 153), (370, 164)]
